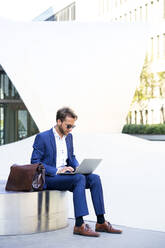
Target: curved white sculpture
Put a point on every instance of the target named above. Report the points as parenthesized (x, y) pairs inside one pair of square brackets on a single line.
[(93, 68)]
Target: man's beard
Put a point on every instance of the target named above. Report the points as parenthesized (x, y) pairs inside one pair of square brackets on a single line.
[(61, 130)]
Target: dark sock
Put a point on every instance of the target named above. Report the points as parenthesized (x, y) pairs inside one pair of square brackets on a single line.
[(100, 219), (79, 221)]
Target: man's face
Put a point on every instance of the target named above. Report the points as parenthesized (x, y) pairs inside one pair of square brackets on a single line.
[(66, 126)]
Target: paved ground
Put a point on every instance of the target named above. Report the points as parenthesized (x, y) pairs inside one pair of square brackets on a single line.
[(131, 238)]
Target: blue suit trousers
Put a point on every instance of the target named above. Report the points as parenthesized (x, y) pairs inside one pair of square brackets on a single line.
[(77, 184)]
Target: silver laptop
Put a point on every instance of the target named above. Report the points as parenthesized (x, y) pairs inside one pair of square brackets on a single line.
[(87, 166)]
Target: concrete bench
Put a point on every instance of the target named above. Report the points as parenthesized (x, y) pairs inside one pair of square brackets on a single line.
[(31, 212)]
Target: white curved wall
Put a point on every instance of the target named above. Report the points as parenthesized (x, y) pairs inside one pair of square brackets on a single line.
[(92, 67)]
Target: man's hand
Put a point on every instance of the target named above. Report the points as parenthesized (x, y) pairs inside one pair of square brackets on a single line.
[(64, 169)]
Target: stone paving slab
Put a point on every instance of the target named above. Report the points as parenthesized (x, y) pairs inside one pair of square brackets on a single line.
[(64, 238)]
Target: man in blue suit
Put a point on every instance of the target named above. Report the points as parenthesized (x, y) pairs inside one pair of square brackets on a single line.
[(54, 149)]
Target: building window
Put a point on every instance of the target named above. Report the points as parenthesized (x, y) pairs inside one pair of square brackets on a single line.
[(161, 46), (73, 12), (159, 10), (51, 18), (140, 13), (125, 17), (1, 125), (158, 46), (130, 16), (107, 5), (152, 48), (164, 45), (135, 15), (22, 124), (16, 122), (152, 9), (146, 12)]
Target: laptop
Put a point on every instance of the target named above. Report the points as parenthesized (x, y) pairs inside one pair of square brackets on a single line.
[(87, 166)]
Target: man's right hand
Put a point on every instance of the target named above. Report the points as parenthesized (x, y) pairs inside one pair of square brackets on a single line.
[(64, 169)]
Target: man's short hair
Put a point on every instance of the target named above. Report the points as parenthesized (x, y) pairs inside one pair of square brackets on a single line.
[(64, 112)]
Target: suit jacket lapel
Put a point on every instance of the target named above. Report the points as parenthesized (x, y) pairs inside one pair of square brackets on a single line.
[(53, 143), (67, 144)]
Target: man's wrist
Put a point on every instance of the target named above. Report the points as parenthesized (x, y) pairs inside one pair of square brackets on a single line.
[(58, 170)]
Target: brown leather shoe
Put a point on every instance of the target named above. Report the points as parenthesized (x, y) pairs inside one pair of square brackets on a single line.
[(107, 227), (85, 230)]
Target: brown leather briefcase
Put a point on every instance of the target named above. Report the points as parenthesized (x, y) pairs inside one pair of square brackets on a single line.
[(30, 177)]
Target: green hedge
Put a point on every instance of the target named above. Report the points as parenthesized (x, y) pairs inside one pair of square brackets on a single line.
[(144, 129)]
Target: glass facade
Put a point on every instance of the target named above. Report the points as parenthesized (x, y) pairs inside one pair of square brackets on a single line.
[(66, 14), (16, 122)]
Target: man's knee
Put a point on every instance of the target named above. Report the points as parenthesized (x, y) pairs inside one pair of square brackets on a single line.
[(79, 178), (94, 178)]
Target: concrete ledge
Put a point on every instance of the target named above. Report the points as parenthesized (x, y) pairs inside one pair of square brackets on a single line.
[(31, 212), (152, 137)]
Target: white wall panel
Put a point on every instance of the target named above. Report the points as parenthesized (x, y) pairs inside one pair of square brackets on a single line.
[(92, 67)]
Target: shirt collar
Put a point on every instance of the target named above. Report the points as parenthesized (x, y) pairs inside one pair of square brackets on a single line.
[(57, 135)]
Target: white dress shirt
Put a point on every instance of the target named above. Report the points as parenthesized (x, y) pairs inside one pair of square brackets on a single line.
[(61, 150)]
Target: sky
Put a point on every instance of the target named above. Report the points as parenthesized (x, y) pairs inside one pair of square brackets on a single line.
[(23, 10)]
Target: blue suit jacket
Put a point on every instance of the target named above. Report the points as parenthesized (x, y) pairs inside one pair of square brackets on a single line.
[(45, 151)]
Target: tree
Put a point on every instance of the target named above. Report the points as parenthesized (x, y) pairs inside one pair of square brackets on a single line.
[(152, 85), (141, 96)]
